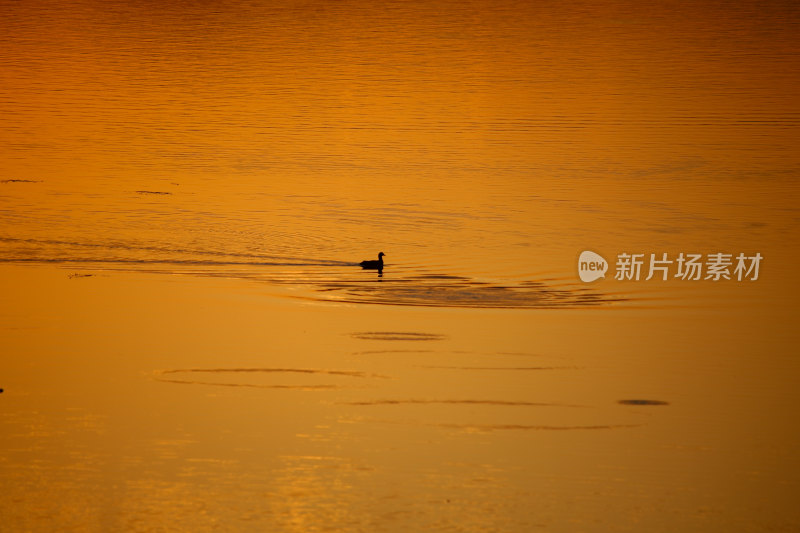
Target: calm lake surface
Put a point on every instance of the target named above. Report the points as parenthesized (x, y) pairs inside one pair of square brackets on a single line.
[(187, 342)]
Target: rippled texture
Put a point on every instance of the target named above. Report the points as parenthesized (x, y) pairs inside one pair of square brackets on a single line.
[(171, 172), (491, 143)]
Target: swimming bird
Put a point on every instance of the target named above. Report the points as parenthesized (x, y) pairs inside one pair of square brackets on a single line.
[(374, 264)]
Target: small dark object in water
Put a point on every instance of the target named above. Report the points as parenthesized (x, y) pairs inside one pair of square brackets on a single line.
[(642, 402), (1, 391), (374, 264)]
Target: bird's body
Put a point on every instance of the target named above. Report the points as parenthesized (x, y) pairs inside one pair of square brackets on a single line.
[(374, 264)]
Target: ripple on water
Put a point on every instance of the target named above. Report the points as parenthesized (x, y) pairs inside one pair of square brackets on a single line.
[(520, 368), (453, 291), (167, 376), (642, 402), (397, 336), (487, 428), (532, 427), (510, 403), (330, 280)]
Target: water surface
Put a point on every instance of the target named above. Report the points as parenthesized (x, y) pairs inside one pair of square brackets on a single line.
[(186, 190)]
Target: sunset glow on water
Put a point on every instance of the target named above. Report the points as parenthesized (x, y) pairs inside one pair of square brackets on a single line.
[(188, 342)]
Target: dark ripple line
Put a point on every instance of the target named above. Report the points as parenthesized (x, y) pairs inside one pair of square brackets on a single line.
[(194, 262), (251, 385), (459, 402), (397, 336), (153, 192), (499, 367), (349, 373), (296, 261), (642, 402), (492, 427)]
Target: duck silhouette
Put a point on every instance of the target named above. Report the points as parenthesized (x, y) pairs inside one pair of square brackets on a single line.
[(373, 265)]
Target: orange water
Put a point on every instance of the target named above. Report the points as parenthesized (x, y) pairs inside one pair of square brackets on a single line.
[(474, 384)]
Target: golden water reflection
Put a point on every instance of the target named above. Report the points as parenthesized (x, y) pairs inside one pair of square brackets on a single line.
[(187, 341), (407, 439)]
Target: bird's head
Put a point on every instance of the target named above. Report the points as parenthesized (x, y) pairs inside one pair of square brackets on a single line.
[(381, 254)]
